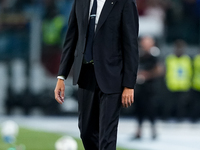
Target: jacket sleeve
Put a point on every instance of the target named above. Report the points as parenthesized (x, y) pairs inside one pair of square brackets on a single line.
[(130, 27), (67, 57)]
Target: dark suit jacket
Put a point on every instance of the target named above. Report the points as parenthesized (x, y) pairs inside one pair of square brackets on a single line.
[(115, 47)]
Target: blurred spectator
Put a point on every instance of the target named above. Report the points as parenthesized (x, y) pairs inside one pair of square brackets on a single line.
[(183, 21), (14, 43), (141, 6), (152, 16), (195, 92), (178, 80), (14, 5), (147, 73), (52, 30), (64, 7), (155, 9), (191, 10)]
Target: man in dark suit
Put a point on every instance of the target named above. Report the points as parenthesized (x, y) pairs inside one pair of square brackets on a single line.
[(101, 42)]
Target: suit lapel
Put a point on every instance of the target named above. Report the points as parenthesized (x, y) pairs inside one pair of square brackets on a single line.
[(86, 8), (105, 12)]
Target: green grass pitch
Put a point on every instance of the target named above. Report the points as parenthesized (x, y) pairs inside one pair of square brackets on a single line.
[(38, 140)]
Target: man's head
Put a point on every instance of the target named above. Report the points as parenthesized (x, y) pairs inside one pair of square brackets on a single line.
[(147, 43), (179, 47)]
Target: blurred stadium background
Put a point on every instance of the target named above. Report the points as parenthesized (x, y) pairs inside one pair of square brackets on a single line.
[(31, 37)]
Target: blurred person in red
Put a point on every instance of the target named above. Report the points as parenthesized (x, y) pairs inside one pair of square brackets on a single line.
[(195, 91), (148, 71), (178, 81), (151, 8), (155, 8), (141, 5)]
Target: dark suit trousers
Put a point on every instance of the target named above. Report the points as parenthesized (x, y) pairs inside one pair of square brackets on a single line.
[(98, 113)]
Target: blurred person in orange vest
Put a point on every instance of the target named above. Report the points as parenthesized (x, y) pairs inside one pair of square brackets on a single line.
[(149, 70), (178, 81)]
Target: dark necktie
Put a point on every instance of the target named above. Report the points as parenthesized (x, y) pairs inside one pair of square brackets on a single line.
[(90, 34)]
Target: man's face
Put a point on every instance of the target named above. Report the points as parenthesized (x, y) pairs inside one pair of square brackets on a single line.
[(147, 43), (179, 51), (179, 47)]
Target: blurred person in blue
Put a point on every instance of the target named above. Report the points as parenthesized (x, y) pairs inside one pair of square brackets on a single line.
[(195, 91), (145, 88), (64, 7), (178, 81)]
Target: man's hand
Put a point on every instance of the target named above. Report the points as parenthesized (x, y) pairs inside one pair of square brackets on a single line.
[(60, 91), (127, 97)]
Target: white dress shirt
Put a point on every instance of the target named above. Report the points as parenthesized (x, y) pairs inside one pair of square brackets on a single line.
[(100, 4)]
